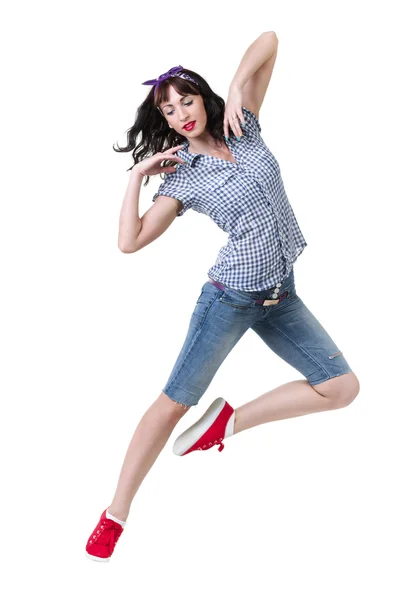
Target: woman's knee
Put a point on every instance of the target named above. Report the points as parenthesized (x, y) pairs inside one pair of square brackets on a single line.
[(341, 390), (175, 408)]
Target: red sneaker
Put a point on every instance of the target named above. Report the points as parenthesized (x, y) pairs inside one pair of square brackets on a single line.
[(215, 425), (102, 542)]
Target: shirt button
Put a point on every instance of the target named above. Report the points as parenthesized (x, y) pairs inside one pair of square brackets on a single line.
[(220, 182), (278, 285), (274, 295), (276, 289)]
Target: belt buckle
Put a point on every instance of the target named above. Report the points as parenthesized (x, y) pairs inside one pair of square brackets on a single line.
[(269, 302), (281, 297)]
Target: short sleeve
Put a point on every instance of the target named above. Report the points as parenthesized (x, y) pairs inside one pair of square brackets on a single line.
[(176, 186), (252, 123)]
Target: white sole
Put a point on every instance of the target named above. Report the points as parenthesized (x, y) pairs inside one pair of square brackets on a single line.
[(198, 429), (97, 558)]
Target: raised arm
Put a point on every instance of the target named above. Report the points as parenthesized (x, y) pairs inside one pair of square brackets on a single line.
[(255, 70)]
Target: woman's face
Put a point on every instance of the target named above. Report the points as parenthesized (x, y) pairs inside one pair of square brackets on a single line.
[(180, 110)]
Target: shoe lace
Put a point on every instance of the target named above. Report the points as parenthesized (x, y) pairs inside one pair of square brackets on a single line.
[(220, 447), (109, 532)]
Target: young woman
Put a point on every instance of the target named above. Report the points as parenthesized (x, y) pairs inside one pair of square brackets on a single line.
[(223, 169)]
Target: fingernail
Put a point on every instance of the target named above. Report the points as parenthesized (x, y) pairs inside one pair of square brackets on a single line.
[(238, 138), (243, 124), (226, 137)]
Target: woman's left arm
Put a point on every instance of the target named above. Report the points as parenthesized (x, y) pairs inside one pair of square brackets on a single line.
[(251, 80)]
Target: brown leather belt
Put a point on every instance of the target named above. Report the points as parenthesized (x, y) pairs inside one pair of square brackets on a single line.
[(256, 300)]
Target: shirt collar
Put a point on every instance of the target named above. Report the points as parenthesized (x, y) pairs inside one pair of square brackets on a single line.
[(188, 156)]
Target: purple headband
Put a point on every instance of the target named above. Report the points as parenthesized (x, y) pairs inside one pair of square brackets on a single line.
[(174, 72)]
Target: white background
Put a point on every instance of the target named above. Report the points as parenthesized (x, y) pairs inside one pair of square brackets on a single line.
[(303, 508)]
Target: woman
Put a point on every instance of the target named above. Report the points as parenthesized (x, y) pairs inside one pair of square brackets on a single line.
[(225, 170)]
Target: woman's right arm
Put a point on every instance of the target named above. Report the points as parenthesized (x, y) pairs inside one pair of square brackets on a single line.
[(130, 223), (134, 231)]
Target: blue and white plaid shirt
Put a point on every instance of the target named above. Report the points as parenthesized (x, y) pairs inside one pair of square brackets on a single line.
[(247, 200)]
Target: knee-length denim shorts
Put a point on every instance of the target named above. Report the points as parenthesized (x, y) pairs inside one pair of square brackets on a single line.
[(222, 316)]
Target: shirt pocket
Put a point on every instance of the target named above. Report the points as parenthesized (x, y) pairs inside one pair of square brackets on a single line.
[(220, 196), (226, 194), (263, 166)]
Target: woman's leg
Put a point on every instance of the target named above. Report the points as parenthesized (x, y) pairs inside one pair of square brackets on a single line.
[(213, 332), (293, 333), (149, 439), (295, 399)]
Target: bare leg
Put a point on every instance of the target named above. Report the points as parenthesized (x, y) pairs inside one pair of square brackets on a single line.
[(295, 399), (150, 437)]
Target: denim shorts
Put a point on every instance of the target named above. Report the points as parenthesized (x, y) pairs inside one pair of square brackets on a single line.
[(222, 316)]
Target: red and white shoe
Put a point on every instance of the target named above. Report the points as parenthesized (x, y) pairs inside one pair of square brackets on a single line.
[(101, 543), (216, 424)]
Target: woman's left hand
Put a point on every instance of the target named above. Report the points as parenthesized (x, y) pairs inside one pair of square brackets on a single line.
[(233, 112)]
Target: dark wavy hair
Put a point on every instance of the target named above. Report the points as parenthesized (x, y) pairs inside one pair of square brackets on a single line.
[(156, 134)]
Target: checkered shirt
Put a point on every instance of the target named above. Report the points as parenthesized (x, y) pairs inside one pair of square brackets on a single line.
[(247, 200)]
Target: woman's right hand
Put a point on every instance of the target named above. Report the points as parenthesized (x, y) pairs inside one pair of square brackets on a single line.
[(152, 164)]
